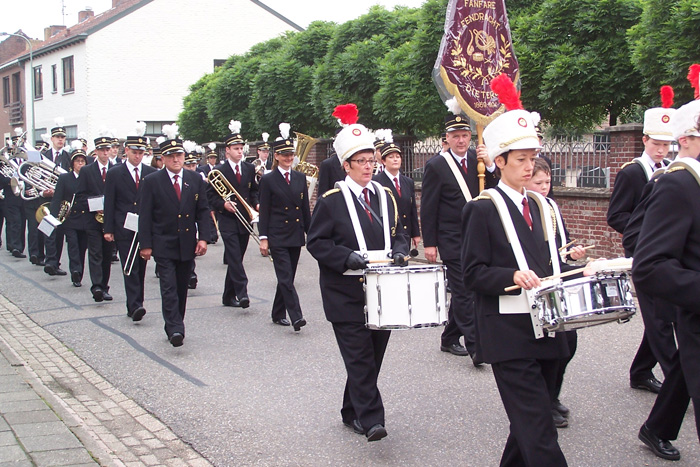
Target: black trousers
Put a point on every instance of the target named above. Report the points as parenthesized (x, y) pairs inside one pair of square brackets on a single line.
[(76, 243), (286, 298), (572, 341), (666, 416), (658, 343), (99, 259), (174, 276), (460, 320), (526, 387), (54, 246), (35, 239), (2, 220), (236, 282), (134, 282), (16, 224), (362, 350)]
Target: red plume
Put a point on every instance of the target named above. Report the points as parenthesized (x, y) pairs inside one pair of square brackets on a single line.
[(666, 96), (506, 92), (694, 78), (347, 113)]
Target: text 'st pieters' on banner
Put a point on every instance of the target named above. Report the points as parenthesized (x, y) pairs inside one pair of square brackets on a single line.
[(476, 48)]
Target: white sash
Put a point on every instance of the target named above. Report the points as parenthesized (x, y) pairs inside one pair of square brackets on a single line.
[(648, 171), (560, 224), (689, 163), (457, 172)]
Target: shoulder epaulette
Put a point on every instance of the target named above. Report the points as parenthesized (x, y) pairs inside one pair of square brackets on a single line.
[(480, 198), (674, 169), (626, 164), (331, 191)]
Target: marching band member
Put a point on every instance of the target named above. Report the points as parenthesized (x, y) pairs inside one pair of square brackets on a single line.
[(401, 186), (191, 161), (15, 233), (241, 175), (157, 159), (284, 220), (91, 184), (212, 161), (76, 239), (122, 187), (657, 344), (264, 153), (503, 243), (665, 270), (450, 180), (330, 170), (173, 209), (57, 153), (344, 223)]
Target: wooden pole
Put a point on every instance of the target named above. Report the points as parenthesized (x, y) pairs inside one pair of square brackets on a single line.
[(480, 167)]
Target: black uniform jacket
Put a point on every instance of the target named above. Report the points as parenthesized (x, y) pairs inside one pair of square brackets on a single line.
[(248, 189), (120, 198), (329, 172), (442, 202), (167, 225), (489, 265), (284, 209), (65, 189), (90, 185), (331, 240), (408, 209), (629, 184), (63, 159), (667, 261)]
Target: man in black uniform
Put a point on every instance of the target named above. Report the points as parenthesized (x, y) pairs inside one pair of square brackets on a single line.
[(241, 175), (334, 240), (91, 185), (284, 220), (442, 198), (173, 209), (329, 172), (121, 192), (657, 344), (212, 161), (15, 233)]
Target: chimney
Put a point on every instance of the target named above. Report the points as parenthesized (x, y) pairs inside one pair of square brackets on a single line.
[(87, 13), (52, 31)]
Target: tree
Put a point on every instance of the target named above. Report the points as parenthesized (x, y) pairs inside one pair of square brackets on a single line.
[(194, 121)]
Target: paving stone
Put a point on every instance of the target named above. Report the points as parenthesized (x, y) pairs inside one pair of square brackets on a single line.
[(12, 454), (63, 457), (7, 438), (41, 429), (19, 418), (7, 407), (51, 442)]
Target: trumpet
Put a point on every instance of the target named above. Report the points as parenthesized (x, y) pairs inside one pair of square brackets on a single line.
[(259, 169), (224, 189)]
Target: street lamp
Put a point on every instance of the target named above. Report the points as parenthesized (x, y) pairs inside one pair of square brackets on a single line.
[(31, 68)]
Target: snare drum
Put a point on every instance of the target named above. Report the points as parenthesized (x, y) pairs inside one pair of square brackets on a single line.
[(588, 301), (405, 297)]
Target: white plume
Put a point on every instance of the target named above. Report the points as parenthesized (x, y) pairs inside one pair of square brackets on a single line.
[(160, 140), (536, 117), (103, 131), (171, 131), (212, 146), (113, 132), (140, 128), (284, 130), (148, 140), (265, 137), (453, 106), (189, 146), (379, 134), (19, 131), (76, 144), (59, 121), (389, 136), (199, 149), (234, 126), (46, 137)]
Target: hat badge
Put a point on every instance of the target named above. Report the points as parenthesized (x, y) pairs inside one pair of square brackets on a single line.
[(140, 140), (665, 119), (458, 119), (356, 132), (173, 143), (522, 122)]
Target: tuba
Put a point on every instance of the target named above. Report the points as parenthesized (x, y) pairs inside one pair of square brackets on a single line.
[(39, 175), (8, 168), (304, 145)]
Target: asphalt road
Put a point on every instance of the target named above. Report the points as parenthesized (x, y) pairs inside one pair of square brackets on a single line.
[(244, 391)]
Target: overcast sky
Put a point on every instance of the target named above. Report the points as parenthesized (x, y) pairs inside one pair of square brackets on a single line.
[(32, 16)]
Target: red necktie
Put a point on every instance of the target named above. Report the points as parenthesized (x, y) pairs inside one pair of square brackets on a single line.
[(136, 174), (238, 174), (286, 177), (369, 214), (526, 213), (177, 187), (398, 187), (104, 174), (657, 165), (464, 165)]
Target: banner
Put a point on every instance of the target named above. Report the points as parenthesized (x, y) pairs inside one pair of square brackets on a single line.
[(476, 48)]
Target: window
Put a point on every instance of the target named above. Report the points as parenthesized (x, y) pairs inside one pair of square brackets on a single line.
[(218, 63), (38, 83), (71, 132), (68, 75), (16, 88), (155, 128), (54, 79), (37, 134), (6, 91)]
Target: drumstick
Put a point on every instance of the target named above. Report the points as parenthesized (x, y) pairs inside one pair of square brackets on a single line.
[(585, 248), (556, 276), (567, 245)]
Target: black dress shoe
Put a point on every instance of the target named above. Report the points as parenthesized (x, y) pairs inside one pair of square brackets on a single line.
[(18, 254), (559, 420), (176, 339), (356, 426), (192, 284), (75, 276), (107, 296), (231, 302), (138, 314), (561, 408), (60, 272), (650, 384), (282, 322), (50, 270), (476, 360), (455, 349), (244, 302), (298, 324), (376, 433), (34, 260), (97, 294), (77, 284), (661, 447)]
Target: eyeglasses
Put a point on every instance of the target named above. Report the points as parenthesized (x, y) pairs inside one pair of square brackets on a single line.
[(364, 161)]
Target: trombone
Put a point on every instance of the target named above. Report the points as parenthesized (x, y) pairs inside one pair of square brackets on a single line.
[(133, 254), (224, 189)]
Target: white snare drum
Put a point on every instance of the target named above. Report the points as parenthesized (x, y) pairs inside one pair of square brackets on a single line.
[(584, 302), (405, 297)]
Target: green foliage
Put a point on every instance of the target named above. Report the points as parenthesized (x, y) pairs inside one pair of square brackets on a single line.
[(194, 121)]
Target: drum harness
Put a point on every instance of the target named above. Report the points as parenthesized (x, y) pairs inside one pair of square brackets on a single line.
[(521, 304)]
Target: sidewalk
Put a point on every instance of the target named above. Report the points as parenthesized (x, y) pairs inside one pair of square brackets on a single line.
[(56, 411)]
